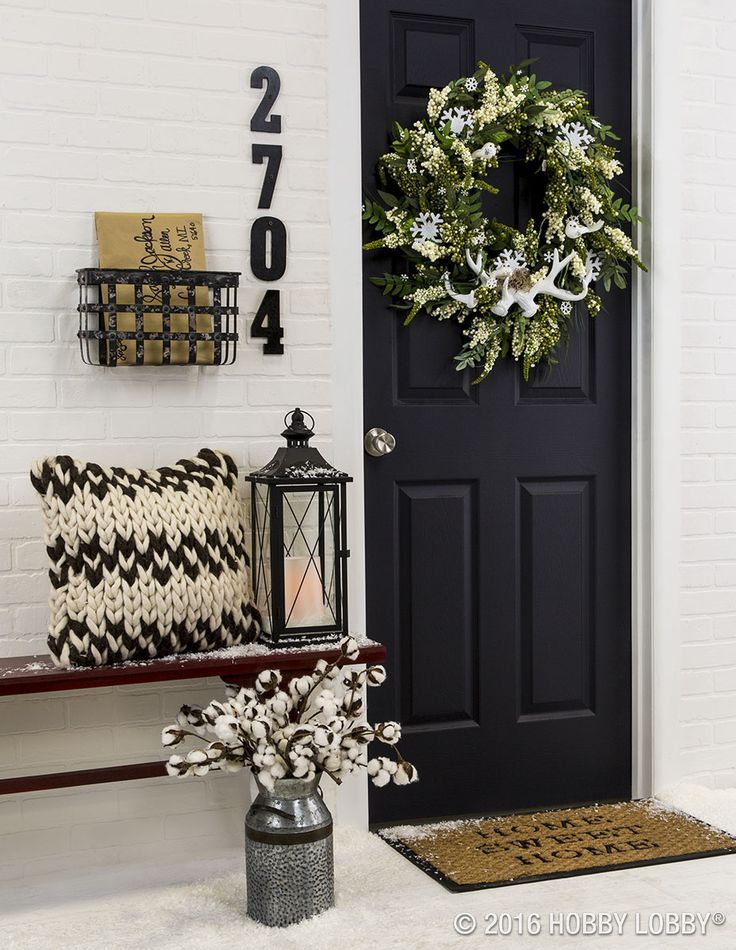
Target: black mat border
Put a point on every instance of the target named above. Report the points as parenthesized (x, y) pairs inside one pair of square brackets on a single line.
[(456, 888)]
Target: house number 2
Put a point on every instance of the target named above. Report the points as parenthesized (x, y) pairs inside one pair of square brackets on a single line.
[(268, 233)]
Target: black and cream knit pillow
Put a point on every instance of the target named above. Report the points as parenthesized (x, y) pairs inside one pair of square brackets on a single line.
[(144, 564)]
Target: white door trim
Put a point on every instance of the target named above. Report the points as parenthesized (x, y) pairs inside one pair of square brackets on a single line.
[(656, 505), (655, 363)]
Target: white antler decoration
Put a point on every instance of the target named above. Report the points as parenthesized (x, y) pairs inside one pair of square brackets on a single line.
[(468, 299), (486, 279), (526, 299)]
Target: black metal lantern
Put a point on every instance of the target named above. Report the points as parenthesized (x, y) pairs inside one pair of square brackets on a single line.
[(299, 541)]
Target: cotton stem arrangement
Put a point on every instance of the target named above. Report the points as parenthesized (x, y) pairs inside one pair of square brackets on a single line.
[(296, 728)]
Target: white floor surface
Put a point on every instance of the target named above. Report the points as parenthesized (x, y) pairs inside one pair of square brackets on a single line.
[(383, 902)]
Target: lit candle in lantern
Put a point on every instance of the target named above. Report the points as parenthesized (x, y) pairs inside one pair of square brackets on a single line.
[(303, 593)]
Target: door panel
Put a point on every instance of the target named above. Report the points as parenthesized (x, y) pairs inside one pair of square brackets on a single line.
[(436, 595), (498, 531), (557, 622)]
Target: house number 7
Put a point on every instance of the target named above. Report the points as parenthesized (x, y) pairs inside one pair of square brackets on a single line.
[(268, 233)]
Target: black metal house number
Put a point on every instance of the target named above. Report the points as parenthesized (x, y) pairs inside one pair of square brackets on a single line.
[(268, 233)]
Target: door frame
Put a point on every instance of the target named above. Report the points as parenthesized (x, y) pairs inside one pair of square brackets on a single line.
[(655, 420)]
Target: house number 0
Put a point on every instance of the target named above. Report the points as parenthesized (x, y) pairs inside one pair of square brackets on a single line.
[(268, 233)]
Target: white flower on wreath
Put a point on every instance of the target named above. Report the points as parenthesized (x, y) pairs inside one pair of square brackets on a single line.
[(471, 83), (427, 226), (509, 260), (459, 119), (411, 166), (442, 190), (429, 249), (575, 134)]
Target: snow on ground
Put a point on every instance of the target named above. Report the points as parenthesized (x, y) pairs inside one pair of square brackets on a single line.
[(384, 903)]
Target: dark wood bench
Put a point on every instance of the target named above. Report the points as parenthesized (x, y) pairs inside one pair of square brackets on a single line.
[(22, 675)]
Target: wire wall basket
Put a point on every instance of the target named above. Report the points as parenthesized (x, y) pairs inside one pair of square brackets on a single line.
[(157, 318)]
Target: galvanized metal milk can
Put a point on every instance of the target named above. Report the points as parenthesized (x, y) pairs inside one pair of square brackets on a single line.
[(288, 853)]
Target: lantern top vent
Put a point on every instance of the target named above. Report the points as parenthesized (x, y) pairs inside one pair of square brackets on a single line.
[(297, 461)]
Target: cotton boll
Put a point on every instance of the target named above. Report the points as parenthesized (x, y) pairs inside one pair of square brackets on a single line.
[(259, 729), (406, 774), (388, 732), (323, 737), (267, 680), (326, 703), (337, 725), (349, 648), (381, 778), (278, 769), (174, 766), (196, 757), (353, 706), (375, 675), (280, 703), (266, 779), (171, 735), (300, 686), (229, 765), (226, 728), (331, 762), (213, 711), (264, 756)]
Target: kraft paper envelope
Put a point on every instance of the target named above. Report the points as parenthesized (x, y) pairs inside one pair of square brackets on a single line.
[(151, 241)]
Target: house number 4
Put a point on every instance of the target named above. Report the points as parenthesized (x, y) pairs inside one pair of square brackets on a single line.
[(268, 233)]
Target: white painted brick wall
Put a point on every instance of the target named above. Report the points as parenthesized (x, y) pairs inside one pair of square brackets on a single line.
[(131, 106), (708, 569)]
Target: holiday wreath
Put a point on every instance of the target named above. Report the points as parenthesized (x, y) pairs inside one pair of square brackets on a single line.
[(511, 291)]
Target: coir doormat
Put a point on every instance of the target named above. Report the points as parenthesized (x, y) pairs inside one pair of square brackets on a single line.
[(516, 849)]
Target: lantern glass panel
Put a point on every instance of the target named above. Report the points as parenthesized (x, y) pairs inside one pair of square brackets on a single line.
[(261, 563), (310, 564)]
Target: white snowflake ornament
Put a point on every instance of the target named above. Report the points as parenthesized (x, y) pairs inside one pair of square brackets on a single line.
[(509, 260), (459, 119), (427, 226), (594, 265), (471, 84), (411, 166), (566, 308), (575, 134)]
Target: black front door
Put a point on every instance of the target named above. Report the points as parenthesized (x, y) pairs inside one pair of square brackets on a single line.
[(498, 531)]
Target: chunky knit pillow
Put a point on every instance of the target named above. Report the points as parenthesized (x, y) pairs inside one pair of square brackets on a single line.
[(144, 564)]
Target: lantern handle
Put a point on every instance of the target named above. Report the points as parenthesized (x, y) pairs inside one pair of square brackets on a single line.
[(297, 415)]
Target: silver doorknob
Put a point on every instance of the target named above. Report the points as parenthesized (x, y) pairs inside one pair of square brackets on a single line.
[(378, 442)]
